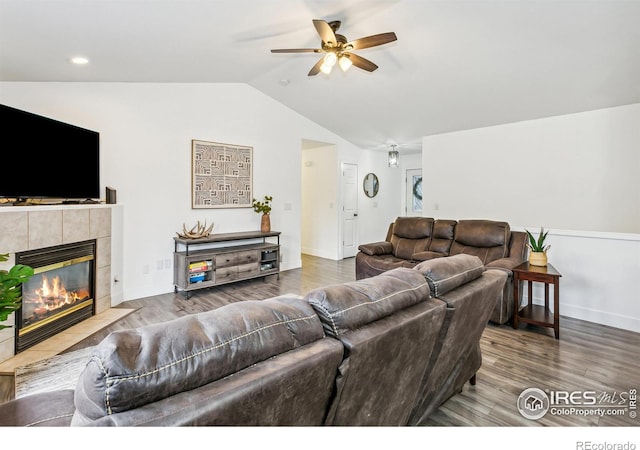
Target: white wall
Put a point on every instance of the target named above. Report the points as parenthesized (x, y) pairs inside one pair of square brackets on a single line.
[(375, 214), (320, 187), (574, 172), (145, 133), (322, 194), (576, 175), (599, 272)]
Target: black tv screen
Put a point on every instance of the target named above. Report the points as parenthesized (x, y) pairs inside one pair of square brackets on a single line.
[(44, 158)]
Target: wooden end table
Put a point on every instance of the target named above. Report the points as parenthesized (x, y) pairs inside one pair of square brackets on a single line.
[(537, 314)]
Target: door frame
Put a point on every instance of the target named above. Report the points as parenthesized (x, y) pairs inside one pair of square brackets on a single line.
[(342, 215)]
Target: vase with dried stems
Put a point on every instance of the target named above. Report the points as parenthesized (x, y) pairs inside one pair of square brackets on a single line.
[(264, 208)]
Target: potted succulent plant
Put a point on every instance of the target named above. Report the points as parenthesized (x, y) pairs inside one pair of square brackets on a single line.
[(264, 208), (10, 288), (537, 247)]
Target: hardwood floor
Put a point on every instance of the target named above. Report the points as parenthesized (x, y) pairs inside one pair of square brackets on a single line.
[(316, 272), (588, 357)]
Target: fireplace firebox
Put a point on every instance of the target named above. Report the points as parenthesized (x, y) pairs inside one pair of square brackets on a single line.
[(60, 294)]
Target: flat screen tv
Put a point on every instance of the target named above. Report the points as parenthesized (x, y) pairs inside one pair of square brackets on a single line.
[(44, 158)]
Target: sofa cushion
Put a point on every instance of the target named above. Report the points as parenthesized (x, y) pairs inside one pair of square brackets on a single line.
[(425, 256), (482, 233), (443, 232), (411, 235), (368, 266), (413, 227), (347, 306), (446, 274), (405, 248), (486, 239), (131, 368)]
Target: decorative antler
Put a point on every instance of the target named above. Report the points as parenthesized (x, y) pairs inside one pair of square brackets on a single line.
[(198, 231)]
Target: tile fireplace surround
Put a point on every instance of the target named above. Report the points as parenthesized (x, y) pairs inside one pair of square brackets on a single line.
[(32, 227)]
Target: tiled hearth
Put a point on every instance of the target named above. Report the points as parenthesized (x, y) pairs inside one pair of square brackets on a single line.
[(63, 340), (32, 227), (53, 346)]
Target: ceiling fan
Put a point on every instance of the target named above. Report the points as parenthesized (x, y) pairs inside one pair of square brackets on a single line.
[(338, 49)]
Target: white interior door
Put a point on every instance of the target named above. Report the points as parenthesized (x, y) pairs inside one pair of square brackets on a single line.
[(349, 210), (413, 192)]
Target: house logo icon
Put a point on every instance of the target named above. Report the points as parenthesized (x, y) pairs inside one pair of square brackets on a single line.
[(533, 403)]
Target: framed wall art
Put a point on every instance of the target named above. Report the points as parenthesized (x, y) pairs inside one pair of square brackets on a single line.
[(222, 175)]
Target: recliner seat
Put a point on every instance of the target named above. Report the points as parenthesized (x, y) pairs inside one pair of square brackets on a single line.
[(389, 326)]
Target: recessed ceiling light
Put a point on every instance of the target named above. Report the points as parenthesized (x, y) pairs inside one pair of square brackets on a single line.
[(284, 82), (80, 60)]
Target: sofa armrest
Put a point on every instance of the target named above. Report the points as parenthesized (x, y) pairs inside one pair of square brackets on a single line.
[(426, 256), (377, 248), (44, 409), (504, 263), (517, 253)]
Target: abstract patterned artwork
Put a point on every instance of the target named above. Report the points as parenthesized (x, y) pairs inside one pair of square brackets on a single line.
[(222, 175)]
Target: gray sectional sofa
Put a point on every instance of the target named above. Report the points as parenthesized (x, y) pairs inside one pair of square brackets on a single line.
[(386, 351), (411, 240)]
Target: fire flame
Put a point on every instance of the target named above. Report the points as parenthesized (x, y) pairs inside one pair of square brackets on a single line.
[(53, 295)]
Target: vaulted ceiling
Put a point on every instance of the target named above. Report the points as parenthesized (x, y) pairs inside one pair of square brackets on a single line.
[(456, 64)]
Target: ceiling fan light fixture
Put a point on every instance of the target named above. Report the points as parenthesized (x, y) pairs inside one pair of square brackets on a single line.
[(337, 48), (344, 62), (329, 61), (326, 69)]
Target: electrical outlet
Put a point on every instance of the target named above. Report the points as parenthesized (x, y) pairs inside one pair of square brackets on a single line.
[(159, 265), (145, 269), (167, 264)]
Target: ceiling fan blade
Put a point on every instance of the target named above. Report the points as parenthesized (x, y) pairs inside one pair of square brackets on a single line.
[(296, 50), (325, 31), (316, 68), (361, 62), (372, 41)]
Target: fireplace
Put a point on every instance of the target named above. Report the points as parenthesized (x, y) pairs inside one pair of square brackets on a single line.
[(59, 295)]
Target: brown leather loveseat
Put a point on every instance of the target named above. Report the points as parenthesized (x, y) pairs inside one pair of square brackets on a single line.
[(411, 240)]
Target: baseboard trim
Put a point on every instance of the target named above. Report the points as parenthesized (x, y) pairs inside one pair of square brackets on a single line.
[(595, 316)]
